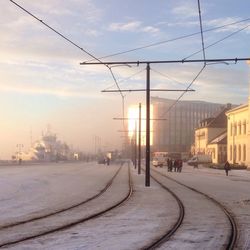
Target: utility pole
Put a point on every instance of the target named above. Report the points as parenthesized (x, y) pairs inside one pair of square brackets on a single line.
[(139, 142), (135, 144), (147, 177)]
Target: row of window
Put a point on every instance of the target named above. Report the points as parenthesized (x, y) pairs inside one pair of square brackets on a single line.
[(237, 153), (238, 128)]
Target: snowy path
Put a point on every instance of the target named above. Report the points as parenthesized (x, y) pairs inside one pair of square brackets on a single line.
[(233, 191), (117, 190), (31, 191), (149, 212)]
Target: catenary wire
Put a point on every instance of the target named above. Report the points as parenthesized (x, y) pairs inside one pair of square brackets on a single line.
[(201, 32), (166, 76), (199, 73), (68, 40), (126, 79), (174, 103), (171, 40), (218, 41)]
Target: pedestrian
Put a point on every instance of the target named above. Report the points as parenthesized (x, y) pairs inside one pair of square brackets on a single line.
[(227, 167), (170, 165), (108, 161), (175, 165), (180, 165)]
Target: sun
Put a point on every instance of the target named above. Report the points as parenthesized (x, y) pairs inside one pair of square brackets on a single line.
[(133, 122)]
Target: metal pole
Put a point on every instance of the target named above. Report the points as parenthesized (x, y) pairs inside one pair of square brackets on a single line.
[(132, 151), (234, 132), (147, 177), (135, 144), (139, 142)]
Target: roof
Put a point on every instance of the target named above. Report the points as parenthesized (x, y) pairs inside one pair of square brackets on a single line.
[(218, 121), (237, 108), (220, 139)]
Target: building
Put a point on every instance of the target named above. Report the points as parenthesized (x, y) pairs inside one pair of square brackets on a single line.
[(238, 136), (176, 134), (211, 136), (217, 148)]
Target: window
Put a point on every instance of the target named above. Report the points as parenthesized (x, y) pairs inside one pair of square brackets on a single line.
[(235, 128), (244, 152), (231, 129), (244, 127), (239, 127), (230, 152), (239, 153), (234, 154)]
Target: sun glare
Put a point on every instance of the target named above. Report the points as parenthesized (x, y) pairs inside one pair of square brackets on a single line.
[(133, 122)]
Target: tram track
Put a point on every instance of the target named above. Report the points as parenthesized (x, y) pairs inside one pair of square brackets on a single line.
[(176, 225), (233, 235), (63, 226), (104, 189)]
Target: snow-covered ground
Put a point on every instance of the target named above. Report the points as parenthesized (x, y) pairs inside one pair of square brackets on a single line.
[(26, 191)]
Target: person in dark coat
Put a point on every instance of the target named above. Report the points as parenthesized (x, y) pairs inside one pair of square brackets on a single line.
[(108, 161), (168, 164), (180, 165), (227, 167), (176, 165)]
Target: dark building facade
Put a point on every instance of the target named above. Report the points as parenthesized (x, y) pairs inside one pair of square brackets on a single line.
[(176, 133)]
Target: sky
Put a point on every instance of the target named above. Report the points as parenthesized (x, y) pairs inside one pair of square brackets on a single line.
[(42, 82)]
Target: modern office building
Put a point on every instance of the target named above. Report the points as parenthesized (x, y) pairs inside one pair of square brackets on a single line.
[(176, 133)]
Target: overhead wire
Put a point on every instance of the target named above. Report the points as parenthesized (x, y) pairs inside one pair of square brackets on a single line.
[(166, 76), (68, 40), (188, 87), (171, 40), (218, 41), (201, 70), (77, 46), (201, 32)]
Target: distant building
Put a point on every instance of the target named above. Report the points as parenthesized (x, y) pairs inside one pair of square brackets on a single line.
[(238, 136), (211, 136), (176, 134)]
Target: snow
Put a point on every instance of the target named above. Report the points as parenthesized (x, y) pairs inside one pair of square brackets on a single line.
[(26, 191)]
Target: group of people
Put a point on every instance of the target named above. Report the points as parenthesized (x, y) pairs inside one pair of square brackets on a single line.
[(174, 165)]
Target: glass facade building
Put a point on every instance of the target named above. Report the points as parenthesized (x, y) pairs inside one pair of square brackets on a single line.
[(176, 133)]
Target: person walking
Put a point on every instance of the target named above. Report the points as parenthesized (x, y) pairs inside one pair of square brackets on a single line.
[(227, 167), (176, 165), (180, 165), (168, 164)]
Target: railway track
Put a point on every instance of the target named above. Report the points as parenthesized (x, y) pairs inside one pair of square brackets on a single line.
[(233, 235), (108, 184), (176, 225), (21, 226)]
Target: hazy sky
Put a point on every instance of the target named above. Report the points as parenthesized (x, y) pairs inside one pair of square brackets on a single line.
[(42, 82)]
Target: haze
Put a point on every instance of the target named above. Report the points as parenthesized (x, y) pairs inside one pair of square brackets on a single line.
[(42, 82)]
